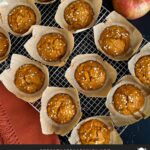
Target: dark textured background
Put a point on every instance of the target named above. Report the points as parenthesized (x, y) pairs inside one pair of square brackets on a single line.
[(138, 133)]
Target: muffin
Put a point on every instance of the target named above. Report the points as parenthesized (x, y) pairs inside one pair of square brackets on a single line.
[(20, 16), (128, 99), (91, 75), (142, 70), (139, 66), (128, 102), (117, 38), (60, 110), (50, 45), (29, 78), (95, 130), (78, 15), (25, 78)]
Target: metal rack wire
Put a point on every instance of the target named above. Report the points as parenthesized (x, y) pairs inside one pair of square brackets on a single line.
[(84, 43)]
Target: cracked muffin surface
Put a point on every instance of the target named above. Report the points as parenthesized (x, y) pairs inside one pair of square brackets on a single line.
[(115, 40), (61, 108), (78, 14), (29, 78), (128, 99)]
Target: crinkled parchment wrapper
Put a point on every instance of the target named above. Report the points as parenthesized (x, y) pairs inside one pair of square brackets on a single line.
[(2, 30), (114, 136), (8, 77), (7, 5), (131, 64), (116, 19), (110, 71), (59, 17), (37, 32), (47, 124), (50, 2), (120, 119)]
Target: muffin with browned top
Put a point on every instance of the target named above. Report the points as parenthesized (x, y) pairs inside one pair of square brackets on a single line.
[(78, 14), (21, 18), (94, 132), (29, 78), (52, 47), (128, 99), (115, 40), (61, 108), (90, 75), (142, 70)]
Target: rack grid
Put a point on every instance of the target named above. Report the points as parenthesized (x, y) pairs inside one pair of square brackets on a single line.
[(84, 43)]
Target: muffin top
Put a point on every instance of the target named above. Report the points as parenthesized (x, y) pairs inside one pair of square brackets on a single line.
[(61, 108), (115, 40), (29, 78), (52, 47), (21, 18), (142, 69), (90, 75), (4, 45), (78, 14), (94, 132), (128, 99)]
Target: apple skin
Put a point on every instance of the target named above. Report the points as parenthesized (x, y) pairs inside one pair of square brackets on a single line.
[(132, 9)]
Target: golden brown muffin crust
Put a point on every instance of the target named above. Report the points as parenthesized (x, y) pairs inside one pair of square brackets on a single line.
[(78, 14), (21, 18), (142, 69), (90, 75), (128, 99), (115, 40), (61, 108), (52, 47), (4, 45), (29, 78), (94, 132)]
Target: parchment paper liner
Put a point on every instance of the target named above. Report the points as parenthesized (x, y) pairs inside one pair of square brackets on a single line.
[(120, 119), (114, 136), (7, 5), (37, 33), (2, 30), (59, 17), (116, 19), (50, 2), (131, 64), (110, 71), (8, 76), (47, 124)]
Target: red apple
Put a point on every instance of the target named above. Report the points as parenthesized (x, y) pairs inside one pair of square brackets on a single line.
[(132, 9)]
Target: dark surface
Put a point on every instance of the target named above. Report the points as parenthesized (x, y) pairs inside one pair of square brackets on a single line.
[(138, 133)]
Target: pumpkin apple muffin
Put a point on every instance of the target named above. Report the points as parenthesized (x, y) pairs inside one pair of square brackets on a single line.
[(21, 18), (61, 108), (4, 45), (52, 47), (128, 99), (142, 69), (29, 78), (94, 132), (90, 75), (115, 40), (78, 14)]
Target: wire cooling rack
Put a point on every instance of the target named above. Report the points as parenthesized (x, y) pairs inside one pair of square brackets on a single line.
[(84, 43)]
